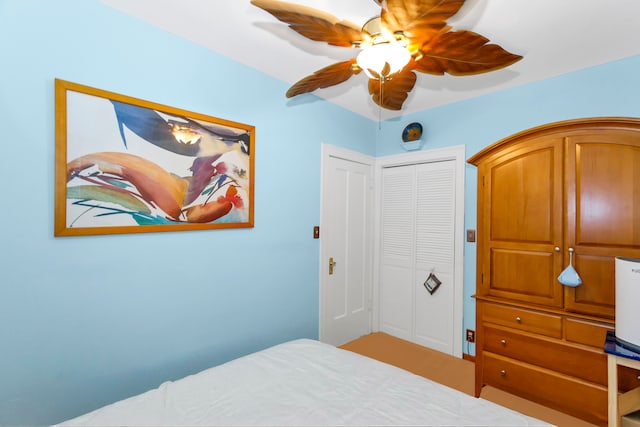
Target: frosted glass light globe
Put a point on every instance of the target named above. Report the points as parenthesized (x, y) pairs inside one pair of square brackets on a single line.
[(375, 57)]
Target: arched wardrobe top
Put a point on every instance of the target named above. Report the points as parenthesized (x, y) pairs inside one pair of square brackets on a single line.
[(561, 128)]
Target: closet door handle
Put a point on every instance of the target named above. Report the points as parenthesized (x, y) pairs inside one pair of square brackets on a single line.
[(557, 249)]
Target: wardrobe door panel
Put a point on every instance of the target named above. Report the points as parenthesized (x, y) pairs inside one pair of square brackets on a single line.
[(607, 200), (522, 223), (595, 295), (522, 210), (603, 204), (509, 280)]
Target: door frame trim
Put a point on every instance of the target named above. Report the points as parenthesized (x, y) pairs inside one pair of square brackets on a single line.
[(328, 151), (457, 154)]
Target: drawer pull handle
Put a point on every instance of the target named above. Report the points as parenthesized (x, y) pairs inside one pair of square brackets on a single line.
[(503, 373), (518, 319), (504, 343)]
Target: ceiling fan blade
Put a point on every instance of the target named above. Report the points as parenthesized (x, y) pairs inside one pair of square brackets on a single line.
[(394, 90), (462, 53), (418, 19), (314, 24), (325, 77)]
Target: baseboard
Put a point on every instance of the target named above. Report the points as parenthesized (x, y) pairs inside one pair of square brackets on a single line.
[(469, 357)]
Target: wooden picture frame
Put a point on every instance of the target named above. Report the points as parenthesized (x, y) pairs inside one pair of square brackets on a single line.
[(125, 165)]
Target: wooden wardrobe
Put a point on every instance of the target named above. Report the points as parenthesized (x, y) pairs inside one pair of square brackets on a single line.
[(567, 187)]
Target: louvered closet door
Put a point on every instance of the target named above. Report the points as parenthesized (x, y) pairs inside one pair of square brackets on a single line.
[(418, 211), (397, 252)]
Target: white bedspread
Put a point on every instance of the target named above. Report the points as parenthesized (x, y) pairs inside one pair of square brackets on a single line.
[(303, 383)]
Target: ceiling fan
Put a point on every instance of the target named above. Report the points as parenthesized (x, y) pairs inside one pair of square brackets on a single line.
[(408, 36)]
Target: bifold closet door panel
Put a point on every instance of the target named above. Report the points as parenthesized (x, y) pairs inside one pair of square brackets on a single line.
[(397, 252), (435, 213), (418, 214)]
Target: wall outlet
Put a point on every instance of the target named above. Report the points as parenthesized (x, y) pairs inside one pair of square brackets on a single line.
[(471, 335)]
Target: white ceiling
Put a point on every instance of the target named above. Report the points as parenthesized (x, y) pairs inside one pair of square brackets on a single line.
[(554, 36)]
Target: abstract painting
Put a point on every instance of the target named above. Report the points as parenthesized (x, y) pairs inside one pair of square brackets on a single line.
[(125, 165)]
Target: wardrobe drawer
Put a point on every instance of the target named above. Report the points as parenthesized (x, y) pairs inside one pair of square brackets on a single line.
[(584, 332), (579, 398), (581, 362), (522, 319)]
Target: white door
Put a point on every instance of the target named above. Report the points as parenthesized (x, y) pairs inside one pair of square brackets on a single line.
[(420, 235), (435, 207), (345, 254)]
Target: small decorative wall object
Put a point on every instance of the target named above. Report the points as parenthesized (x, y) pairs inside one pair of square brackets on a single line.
[(412, 137), (124, 165), (432, 283)]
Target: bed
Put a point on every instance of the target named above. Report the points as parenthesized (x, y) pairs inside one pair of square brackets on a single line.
[(303, 383)]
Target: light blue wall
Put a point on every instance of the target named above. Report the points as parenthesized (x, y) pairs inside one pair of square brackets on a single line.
[(611, 89), (88, 320)]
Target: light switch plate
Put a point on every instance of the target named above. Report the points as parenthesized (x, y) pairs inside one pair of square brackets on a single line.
[(471, 235)]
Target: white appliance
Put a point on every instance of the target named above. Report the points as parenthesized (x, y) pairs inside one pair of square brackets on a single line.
[(628, 302)]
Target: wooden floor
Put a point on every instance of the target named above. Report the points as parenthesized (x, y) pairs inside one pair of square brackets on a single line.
[(450, 371)]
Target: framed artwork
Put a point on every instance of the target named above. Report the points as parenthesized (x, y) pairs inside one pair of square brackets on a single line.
[(432, 283), (124, 165)]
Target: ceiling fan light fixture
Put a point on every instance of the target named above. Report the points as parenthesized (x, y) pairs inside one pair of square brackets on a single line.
[(408, 36), (381, 60)]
